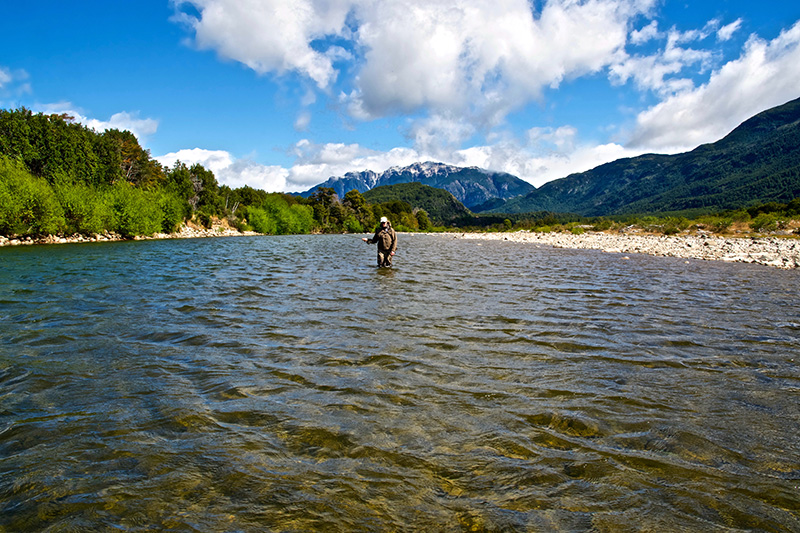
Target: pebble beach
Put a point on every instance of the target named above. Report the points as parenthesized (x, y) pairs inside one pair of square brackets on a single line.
[(770, 251)]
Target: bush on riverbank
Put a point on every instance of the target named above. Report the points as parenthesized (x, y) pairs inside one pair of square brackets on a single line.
[(276, 217), (29, 205)]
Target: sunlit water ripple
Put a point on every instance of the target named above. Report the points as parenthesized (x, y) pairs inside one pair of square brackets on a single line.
[(285, 384)]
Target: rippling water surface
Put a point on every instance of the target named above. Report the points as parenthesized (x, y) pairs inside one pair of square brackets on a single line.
[(285, 384)]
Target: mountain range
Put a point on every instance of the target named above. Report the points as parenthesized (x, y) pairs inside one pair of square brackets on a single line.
[(471, 186)]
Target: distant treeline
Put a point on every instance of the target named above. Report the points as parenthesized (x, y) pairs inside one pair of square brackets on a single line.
[(60, 177)]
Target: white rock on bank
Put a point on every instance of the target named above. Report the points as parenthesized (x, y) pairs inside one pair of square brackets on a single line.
[(184, 232)]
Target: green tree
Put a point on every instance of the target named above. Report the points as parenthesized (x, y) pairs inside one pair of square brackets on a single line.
[(322, 202), (50, 145), (355, 202), (248, 196), (423, 221), (197, 188), (54, 146), (352, 225), (136, 165), (206, 188), (288, 219), (172, 210), (16, 135), (765, 222), (179, 183), (261, 221)]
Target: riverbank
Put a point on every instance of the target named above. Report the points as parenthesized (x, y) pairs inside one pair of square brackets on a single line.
[(770, 251), (185, 232)]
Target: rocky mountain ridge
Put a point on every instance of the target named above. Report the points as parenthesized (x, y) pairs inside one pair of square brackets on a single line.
[(471, 186)]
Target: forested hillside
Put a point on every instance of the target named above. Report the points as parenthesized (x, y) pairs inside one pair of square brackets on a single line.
[(441, 206), (57, 176), (758, 162)]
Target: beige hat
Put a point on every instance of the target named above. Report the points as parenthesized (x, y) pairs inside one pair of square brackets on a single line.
[(384, 219)]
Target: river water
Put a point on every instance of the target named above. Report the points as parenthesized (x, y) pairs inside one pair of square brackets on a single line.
[(286, 384)]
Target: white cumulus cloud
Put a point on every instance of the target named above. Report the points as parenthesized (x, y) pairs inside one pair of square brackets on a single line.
[(477, 57), (457, 70), (270, 35), (213, 160), (767, 74), (140, 127), (230, 171), (482, 58)]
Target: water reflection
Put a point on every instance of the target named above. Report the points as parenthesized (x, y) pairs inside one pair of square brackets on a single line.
[(285, 383)]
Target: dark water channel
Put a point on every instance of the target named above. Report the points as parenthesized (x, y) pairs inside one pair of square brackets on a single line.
[(285, 384)]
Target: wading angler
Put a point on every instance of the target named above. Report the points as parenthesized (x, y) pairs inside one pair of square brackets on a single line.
[(386, 239)]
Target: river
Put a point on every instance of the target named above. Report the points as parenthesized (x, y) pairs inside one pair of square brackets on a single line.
[(286, 384)]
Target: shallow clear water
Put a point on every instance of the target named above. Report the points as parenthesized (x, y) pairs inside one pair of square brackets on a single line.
[(285, 384)]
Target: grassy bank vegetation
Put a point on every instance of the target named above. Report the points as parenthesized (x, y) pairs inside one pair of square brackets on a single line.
[(768, 218)]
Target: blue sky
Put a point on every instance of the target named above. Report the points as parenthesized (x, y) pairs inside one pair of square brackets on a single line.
[(282, 94)]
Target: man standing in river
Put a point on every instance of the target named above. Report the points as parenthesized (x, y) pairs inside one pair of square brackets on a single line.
[(386, 240)]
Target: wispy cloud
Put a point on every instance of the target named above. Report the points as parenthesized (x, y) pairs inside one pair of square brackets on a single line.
[(765, 75), (726, 32), (5, 77), (13, 82)]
